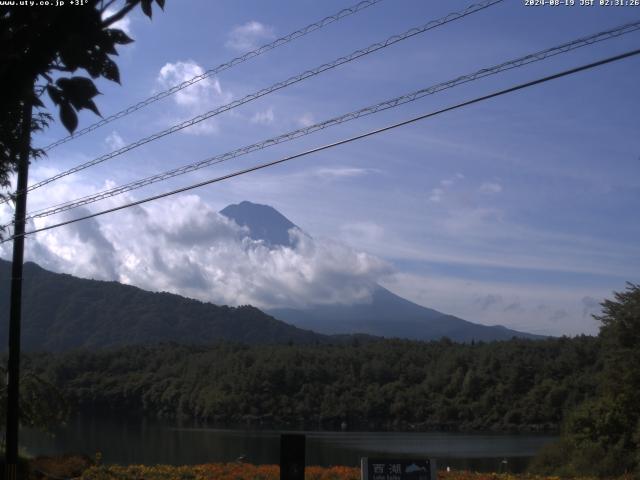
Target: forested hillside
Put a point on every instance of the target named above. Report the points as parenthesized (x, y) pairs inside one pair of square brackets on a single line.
[(62, 312), (514, 385)]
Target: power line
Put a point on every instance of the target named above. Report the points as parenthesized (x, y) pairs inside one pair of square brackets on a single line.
[(290, 81), (385, 105), (220, 68), (340, 142)]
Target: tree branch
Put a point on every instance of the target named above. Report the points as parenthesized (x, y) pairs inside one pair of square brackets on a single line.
[(104, 7)]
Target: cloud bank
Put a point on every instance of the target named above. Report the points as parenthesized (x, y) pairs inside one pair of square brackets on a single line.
[(186, 247), (249, 36)]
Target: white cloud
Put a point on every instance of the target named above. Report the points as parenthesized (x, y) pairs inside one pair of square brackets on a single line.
[(361, 232), (341, 172), (175, 73), (186, 247), (306, 119), (123, 24), (84, 250), (489, 187), (249, 36), (263, 118), (473, 220), (206, 93), (436, 195), (114, 141)]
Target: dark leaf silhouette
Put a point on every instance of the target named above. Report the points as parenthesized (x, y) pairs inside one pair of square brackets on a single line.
[(55, 94), (79, 39), (110, 70), (118, 36), (90, 105), (68, 116), (146, 7), (78, 90)]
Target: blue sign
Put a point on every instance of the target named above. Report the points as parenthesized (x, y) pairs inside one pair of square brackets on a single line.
[(400, 469)]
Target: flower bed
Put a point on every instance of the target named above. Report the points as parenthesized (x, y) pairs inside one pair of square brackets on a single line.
[(244, 471)]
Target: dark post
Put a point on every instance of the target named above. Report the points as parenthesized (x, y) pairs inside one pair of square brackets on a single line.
[(292, 451), (15, 309)]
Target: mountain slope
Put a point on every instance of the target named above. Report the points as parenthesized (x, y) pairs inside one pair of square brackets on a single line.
[(386, 315), (62, 312), (389, 315)]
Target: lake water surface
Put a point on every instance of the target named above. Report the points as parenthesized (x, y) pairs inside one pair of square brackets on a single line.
[(154, 442)]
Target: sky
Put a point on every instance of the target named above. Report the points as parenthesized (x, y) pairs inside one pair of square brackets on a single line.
[(519, 211)]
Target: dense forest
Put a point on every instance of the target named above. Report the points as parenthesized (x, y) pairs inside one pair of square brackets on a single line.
[(513, 385), (588, 388)]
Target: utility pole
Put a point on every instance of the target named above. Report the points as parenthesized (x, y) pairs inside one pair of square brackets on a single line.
[(15, 309)]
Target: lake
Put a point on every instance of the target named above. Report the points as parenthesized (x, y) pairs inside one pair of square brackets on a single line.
[(152, 442)]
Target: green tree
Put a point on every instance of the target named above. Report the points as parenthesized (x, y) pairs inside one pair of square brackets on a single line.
[(619, 402), (41, 50), (42, 404), (602, 435)]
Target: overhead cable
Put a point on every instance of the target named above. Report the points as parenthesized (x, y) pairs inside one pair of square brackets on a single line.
[(385, 105), (335, 144), (220, 68), (277, 86)]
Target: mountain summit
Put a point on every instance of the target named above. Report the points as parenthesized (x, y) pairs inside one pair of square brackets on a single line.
[(385, 314), (264, 222)]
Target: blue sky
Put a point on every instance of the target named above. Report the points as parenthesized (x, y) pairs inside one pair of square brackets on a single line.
[(516, 211)]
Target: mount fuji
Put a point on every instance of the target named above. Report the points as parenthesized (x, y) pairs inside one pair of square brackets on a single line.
[(383, 314)]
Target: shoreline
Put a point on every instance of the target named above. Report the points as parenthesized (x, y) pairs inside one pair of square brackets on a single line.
[(270, 423), (84, 468)]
